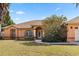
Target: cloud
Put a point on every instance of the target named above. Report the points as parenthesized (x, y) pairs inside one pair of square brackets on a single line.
[(20, 12), (57, 9), (17, 18)]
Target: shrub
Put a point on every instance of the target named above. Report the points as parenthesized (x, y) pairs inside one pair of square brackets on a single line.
[(55, 29), (29, 38), (54, 38)]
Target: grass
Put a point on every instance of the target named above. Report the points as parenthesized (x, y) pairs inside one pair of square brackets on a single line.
[(28, 48)]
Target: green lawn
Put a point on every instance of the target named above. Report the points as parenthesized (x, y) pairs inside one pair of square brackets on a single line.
[(15, 48)]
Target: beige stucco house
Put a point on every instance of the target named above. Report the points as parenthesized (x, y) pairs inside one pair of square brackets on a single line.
[(34, 29), (73, 30), (27, 29)]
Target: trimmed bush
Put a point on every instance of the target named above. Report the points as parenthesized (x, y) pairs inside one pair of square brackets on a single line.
[(29, 38), (55, 38)]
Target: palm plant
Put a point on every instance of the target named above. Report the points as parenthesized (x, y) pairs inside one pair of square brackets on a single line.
[(76, 4), (4, 15)]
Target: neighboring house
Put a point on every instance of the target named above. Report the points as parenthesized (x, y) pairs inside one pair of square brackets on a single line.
[(73, 30), (24, 30)]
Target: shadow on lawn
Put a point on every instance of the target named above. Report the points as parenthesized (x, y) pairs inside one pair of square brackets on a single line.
[(34, 44), (42, 44)]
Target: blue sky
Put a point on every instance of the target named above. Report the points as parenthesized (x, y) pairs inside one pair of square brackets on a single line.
[(22, 12)]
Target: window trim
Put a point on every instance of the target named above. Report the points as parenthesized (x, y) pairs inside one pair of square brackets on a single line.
[(27, 33)]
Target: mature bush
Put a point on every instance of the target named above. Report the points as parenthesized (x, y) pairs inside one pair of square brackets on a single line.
[(55, 29), (55, 38)]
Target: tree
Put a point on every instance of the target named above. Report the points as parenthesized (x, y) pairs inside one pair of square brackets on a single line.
[(7, 19), (3, 10), (4, 16), (55, 28)]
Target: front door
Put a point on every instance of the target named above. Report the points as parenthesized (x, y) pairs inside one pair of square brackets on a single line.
[(39, 34), (13, 33)]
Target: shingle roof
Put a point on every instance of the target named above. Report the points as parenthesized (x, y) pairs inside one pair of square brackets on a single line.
[(74, 20), (28, 24), (33, 22), (22, 26)]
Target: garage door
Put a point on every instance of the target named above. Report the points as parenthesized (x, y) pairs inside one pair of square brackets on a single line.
[(77, 34)]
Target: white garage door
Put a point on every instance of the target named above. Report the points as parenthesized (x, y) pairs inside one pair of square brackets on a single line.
[(77, 34)]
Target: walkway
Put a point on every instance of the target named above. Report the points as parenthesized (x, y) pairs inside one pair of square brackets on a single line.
[(58, 43)]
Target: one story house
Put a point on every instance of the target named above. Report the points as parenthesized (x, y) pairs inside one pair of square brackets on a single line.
[(73, 30), (34, 29), (27, 29)]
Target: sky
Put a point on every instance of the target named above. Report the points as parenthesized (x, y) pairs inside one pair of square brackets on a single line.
[(22, 12)]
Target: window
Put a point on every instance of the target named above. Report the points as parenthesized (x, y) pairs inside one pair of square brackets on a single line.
[(28, 33), (0, 10), (13, 33), (76, 27), (71, 27)]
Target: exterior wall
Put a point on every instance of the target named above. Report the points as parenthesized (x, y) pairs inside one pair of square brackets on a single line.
[(20, 33), (71, 32), (6, 32)]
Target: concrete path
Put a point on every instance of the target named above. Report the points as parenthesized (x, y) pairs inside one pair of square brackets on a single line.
[(58, 43)]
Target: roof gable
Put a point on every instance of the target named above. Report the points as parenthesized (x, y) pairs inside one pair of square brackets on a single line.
[(74, 20), (28, 24)]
